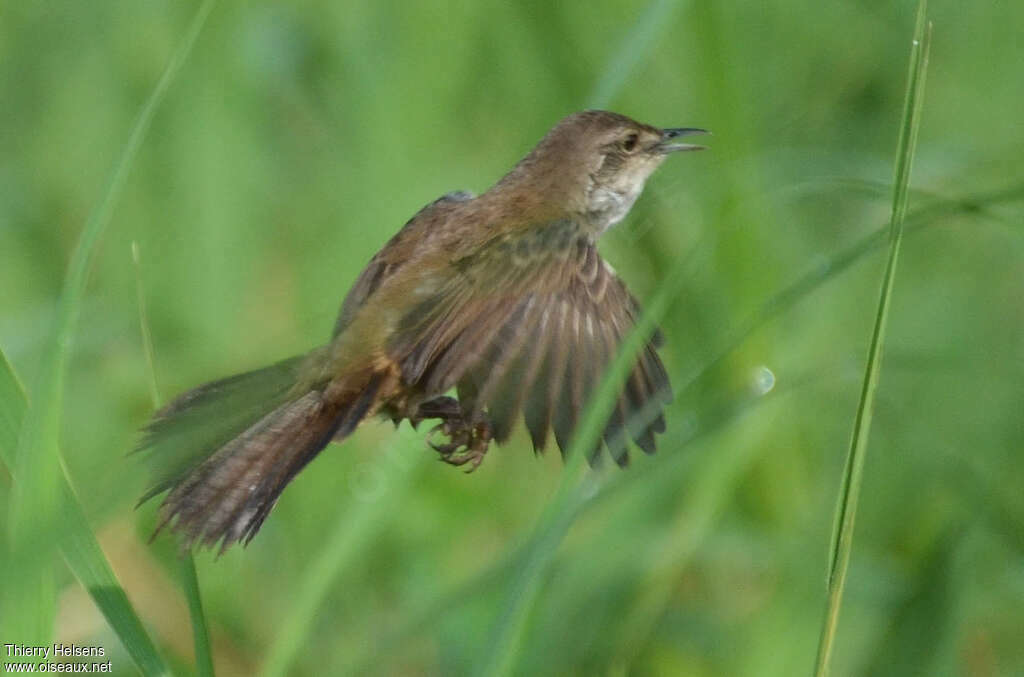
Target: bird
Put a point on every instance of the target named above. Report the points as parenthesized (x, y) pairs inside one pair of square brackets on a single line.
[(500, 298)]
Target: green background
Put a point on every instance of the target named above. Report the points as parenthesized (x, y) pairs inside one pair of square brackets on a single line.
[(297, 140)]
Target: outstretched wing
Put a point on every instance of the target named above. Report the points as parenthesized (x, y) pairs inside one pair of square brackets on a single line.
[(528, 325)]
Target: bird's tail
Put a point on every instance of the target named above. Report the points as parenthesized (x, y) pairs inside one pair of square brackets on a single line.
[(227, 449)]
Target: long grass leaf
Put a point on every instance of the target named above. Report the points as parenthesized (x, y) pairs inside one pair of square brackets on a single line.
[(189, 577), (635, 46), (829, 268), (78, 544), (36, 497), (846, 507), (200, 632), (12, 409)]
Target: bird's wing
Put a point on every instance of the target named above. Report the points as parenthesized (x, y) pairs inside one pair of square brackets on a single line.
[(393, 255), (528, 324)]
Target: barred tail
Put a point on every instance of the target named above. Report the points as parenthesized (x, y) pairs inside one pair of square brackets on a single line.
[(227, 450)]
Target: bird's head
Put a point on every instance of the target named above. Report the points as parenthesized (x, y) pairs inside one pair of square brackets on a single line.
[(594, 164)]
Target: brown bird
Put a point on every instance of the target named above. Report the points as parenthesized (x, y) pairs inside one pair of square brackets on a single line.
[(502, 296)]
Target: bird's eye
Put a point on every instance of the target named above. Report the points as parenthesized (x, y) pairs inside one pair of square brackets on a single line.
[(629, 143)]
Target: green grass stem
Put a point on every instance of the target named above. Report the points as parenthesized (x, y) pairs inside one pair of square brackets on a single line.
[(189, 577), (29, 605), (78, 542), (636, 45), (853, 472)]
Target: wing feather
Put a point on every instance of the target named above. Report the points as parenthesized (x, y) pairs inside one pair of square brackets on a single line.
[(529, 326), (500, 385)]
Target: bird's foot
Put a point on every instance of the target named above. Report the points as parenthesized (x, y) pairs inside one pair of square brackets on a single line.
[(467, 439)]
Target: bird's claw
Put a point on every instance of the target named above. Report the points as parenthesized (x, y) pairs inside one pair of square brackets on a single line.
[(467, 443)]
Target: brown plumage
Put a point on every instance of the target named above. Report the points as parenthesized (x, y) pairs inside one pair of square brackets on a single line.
[(503, 297)]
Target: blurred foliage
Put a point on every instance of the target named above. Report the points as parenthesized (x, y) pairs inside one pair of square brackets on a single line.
[(298, 138)]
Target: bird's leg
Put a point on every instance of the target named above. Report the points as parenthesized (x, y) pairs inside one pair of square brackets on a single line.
[(468, 436)]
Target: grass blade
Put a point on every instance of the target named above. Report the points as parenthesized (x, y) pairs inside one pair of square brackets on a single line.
[(788, 296), (12, 411), (36, 498), (79, 546), (147, 337), (637, 44), (846, 507), (200, 633), (189, 578)]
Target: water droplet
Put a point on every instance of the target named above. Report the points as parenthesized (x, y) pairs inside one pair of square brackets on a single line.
[(764, 380)]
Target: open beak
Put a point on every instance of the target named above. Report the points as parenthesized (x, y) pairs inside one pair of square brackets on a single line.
[(667, 145)]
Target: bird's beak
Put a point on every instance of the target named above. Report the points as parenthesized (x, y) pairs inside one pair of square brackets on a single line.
[(666, 145)]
